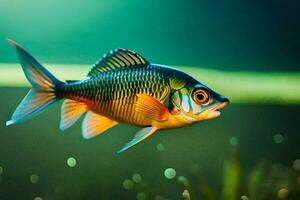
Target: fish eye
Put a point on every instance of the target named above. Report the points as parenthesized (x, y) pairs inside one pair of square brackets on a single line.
[(201, 96)]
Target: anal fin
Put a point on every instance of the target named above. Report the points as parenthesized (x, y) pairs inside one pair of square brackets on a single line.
[(70, 112), (141, 135), (95, 124)]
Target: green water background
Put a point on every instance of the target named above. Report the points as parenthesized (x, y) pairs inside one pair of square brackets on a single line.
[(243, 36)]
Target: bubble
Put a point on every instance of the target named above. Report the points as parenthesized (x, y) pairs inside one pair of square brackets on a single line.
[(297, 164), (233, 140), (141, 196), (34, 178), (170, 173), (71, 162), (1, 170), (244, 197), (38, 198), (136, 178), (128, 184), (186, 194), (183, 180), (283, 193), (278, 138), (160, 147)]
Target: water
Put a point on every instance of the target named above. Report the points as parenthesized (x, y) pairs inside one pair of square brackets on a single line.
[(252, 35), (250, 152), (39, 148)]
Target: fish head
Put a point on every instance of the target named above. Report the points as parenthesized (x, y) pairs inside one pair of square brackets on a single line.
[(196, 102)]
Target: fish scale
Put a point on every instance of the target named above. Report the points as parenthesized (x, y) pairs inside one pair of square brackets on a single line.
[(113, 93)]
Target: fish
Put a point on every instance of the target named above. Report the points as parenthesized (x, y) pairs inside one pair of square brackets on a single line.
[(122, 87)]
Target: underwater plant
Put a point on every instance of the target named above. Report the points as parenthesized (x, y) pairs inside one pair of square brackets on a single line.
[(265, 181)]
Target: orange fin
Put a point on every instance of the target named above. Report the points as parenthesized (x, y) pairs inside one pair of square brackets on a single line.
[(70, 112), (95, 124), (152, 108), (140, 136)]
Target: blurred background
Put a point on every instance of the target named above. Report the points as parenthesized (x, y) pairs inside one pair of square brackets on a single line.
[(247, 50)]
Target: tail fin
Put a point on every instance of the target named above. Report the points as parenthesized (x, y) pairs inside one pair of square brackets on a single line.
[(42, 94)]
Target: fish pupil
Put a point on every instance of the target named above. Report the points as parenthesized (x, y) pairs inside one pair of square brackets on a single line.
[(200, 97)]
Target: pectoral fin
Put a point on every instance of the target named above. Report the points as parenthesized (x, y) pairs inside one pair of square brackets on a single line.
[(94, 124), (141, 135), (152, 108)]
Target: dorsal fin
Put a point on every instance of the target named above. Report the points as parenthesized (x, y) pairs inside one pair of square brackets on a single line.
[(116, 59), (72, 81)]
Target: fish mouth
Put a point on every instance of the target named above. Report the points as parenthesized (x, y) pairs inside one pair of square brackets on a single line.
[(216, 110), (213, 111)]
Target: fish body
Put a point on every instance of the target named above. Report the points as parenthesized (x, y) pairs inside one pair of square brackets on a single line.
[(114, 93), (121, 87)]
